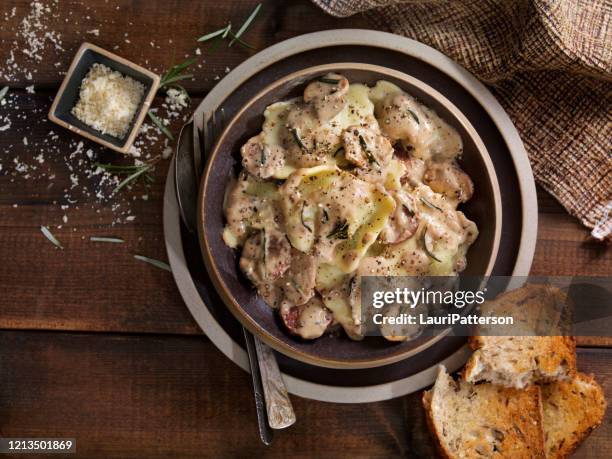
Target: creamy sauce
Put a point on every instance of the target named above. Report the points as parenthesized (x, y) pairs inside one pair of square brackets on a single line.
[(344, 182)]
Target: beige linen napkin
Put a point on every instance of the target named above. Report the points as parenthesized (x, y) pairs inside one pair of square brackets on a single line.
[(549, 63)]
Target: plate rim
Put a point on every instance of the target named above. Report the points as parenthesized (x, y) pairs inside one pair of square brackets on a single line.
[(359, 37), (224, 289)]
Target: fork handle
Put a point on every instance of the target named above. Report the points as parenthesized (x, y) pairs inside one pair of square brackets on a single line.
[(265, 433), (278, 404)]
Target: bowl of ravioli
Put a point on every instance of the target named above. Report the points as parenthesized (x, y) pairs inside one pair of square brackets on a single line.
[(330, 174)]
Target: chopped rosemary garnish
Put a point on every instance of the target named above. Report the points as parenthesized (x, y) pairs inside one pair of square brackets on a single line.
[(132, 177), (49, 235), (134, 172), (245, 25), (340, 231), (160, 125), (297, 139), (302, 218), (175, 73), (263, 156), (225, 32), (3, 92), (114, 240), (325, 215), (429, 254), (407, 209), (366, 150), (430, 205), (152, 261), (328, 80), (414, 117), (338, 151)]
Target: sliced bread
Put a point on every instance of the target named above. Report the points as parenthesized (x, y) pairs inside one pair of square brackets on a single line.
[(476, 421), (517, 361), (572, 409)]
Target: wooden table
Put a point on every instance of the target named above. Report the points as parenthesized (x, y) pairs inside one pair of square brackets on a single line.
[(100, 347)]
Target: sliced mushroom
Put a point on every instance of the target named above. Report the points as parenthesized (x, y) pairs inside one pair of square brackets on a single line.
[(277, 253), (309, 320), (415, 169), (327, 95), (403, 223), (449, 179), (299, 280), (262, 160), (366, 148), (265, 257)]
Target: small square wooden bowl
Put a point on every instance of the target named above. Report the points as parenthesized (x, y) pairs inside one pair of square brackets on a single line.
[(68, 95)]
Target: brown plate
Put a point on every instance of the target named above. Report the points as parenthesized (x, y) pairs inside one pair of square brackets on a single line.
[(222, 262)]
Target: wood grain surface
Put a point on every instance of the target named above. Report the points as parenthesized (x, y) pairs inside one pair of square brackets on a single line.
[(98, 346)]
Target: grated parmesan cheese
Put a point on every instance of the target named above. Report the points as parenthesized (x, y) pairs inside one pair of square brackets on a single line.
[(108, 100)]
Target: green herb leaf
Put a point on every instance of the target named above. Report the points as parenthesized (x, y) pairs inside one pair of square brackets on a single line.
[(3, 92), (264, 158), (429, 254), (160, 125), (416, 118), (297, 139), (132, 177), (240, 41), (119, 169), (430, 205), (114, 240), (340, 231), (325, 215), (246, 24), (302, 218), (214, 34), (366, 150), (152, 261), (49, 235), (328, 80), (338, 151)]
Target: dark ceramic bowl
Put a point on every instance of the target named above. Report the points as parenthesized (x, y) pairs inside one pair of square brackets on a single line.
[(68, 95), (222, 262)]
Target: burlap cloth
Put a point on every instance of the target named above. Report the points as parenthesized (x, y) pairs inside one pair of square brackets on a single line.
[(548, 62)]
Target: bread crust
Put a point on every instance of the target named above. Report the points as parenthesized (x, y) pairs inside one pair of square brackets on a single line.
[(518, 420), (580, 404)]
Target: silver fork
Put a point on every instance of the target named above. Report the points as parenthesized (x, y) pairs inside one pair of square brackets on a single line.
[(189, 164)]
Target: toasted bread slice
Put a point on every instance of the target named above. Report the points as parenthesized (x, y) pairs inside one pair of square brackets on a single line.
[(572, 409), (517, 361), (475, 421)]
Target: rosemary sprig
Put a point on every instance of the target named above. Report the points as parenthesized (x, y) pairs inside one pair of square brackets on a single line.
[(298, 140), (119, 169), (3, 92), (240, 41), (245, 25), (49, 235), (154, 262), (160, 125), (223, 32), (340, 231), (427, 251), (366, 150), (414, 117), (328, 80), (175, 73), (132, 177), (325, 215), (430, 205), (302, 218), (114, 240)]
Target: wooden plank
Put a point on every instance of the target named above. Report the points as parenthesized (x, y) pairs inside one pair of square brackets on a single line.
[(156, 30), (159, 397)]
